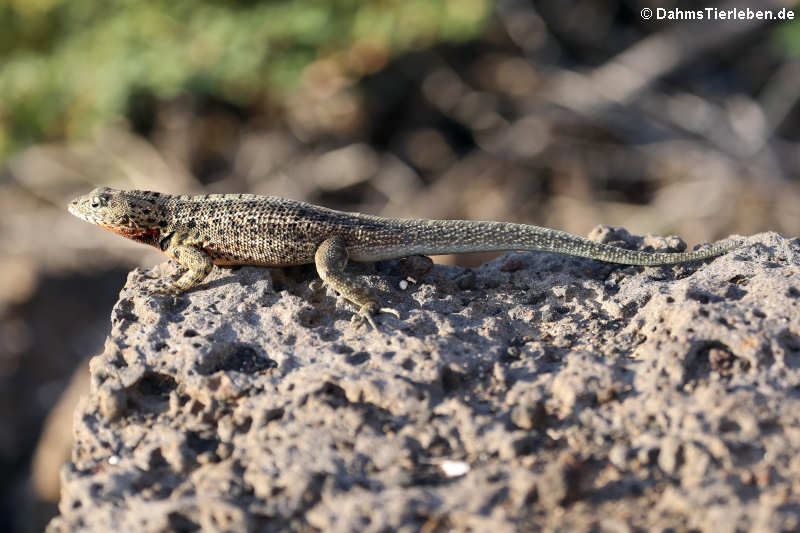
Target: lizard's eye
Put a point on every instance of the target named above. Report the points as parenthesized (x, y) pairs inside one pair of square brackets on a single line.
[(98, 201)]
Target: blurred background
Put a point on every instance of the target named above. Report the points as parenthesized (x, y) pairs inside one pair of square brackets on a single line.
[(560, 113)]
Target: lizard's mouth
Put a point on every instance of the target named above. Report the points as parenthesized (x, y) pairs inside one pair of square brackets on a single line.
[(73, 209), (124, 227)]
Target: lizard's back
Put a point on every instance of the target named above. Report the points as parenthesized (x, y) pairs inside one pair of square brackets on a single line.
[(265, 230)]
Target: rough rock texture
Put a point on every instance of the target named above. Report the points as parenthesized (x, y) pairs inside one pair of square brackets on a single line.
[(536, 392)]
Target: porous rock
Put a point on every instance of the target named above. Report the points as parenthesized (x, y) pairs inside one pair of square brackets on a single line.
[(562, 394)]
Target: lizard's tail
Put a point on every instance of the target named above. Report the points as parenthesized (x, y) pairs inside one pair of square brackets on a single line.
[(435, 237)]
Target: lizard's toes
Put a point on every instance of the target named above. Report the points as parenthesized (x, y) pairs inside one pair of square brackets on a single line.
[(360, 319), (166, 290), (390, 311), (367, 314)]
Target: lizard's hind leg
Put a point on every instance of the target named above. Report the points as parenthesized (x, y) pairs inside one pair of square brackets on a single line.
[(330, 260)]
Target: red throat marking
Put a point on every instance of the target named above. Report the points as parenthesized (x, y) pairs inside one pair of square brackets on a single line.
[(124, 233)]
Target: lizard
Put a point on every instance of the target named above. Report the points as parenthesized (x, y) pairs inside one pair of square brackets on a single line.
[(199, 231)]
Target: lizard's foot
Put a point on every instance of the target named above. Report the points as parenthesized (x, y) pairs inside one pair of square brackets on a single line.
[(186, 282), (367, 313), (163, 285), (171, 289)]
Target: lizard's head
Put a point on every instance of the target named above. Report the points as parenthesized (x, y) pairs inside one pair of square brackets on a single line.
[(129, 213)]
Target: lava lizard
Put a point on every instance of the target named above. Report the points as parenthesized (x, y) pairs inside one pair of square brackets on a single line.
[(246, 229)]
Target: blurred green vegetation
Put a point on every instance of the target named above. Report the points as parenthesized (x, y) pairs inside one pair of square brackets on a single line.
[(788, 35), (66, 65)]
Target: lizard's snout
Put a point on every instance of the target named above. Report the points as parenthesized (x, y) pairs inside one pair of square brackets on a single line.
[(74, 208)]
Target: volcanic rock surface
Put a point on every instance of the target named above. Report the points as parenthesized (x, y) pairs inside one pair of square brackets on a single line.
[(537, 392)]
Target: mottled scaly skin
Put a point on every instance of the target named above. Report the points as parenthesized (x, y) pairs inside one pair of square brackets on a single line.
[(245, 229)]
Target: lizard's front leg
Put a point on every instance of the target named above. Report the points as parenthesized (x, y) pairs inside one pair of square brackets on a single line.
[(197, 262), (330, 260)]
